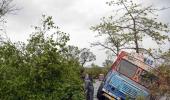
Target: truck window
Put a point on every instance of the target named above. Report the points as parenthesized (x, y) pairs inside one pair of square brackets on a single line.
[(127, 68)]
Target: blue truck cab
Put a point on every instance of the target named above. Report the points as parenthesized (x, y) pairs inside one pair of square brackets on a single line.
[(124, 80), (119, 87)]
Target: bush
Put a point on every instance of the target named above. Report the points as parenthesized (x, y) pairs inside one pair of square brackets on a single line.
[(40, 69)]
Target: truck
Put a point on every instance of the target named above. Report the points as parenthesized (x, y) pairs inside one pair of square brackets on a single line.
[(126, 80)]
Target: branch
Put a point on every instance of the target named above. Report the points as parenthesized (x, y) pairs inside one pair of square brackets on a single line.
[(6, 7), (100, 44)]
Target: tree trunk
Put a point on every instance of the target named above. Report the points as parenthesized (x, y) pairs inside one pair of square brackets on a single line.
[(134, 27), (136, 42), (135, 36)]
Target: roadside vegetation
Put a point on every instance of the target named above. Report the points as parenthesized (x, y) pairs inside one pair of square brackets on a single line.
[(47, 68)]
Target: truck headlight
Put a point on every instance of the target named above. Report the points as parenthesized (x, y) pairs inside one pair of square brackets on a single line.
[(118, 98)]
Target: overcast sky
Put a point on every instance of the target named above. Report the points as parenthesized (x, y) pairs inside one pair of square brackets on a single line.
[(72, 16)]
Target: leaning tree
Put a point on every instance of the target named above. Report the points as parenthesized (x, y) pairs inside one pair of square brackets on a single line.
[(129, 25)]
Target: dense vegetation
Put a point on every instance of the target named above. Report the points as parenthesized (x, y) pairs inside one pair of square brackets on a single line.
[(94, 70), (42, 69)]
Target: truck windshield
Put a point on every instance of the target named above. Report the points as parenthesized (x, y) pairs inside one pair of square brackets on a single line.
[(127, 68)]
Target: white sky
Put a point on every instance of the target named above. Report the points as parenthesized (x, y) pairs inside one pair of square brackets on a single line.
[(72, 16)]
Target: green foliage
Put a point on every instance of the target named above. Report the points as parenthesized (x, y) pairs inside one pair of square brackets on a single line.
[(166, 57), (86, 56), (95, 70), (162, 87), (73, 52), (115, 41), (107, 63), (40, 69)]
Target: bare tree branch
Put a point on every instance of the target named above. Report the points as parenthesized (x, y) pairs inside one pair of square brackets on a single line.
[(103, 45)]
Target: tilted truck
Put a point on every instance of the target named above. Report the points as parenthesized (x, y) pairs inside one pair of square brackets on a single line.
[(126, 78)]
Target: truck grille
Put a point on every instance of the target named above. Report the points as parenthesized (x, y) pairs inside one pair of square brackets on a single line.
[(129, 90), (124, 87)]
